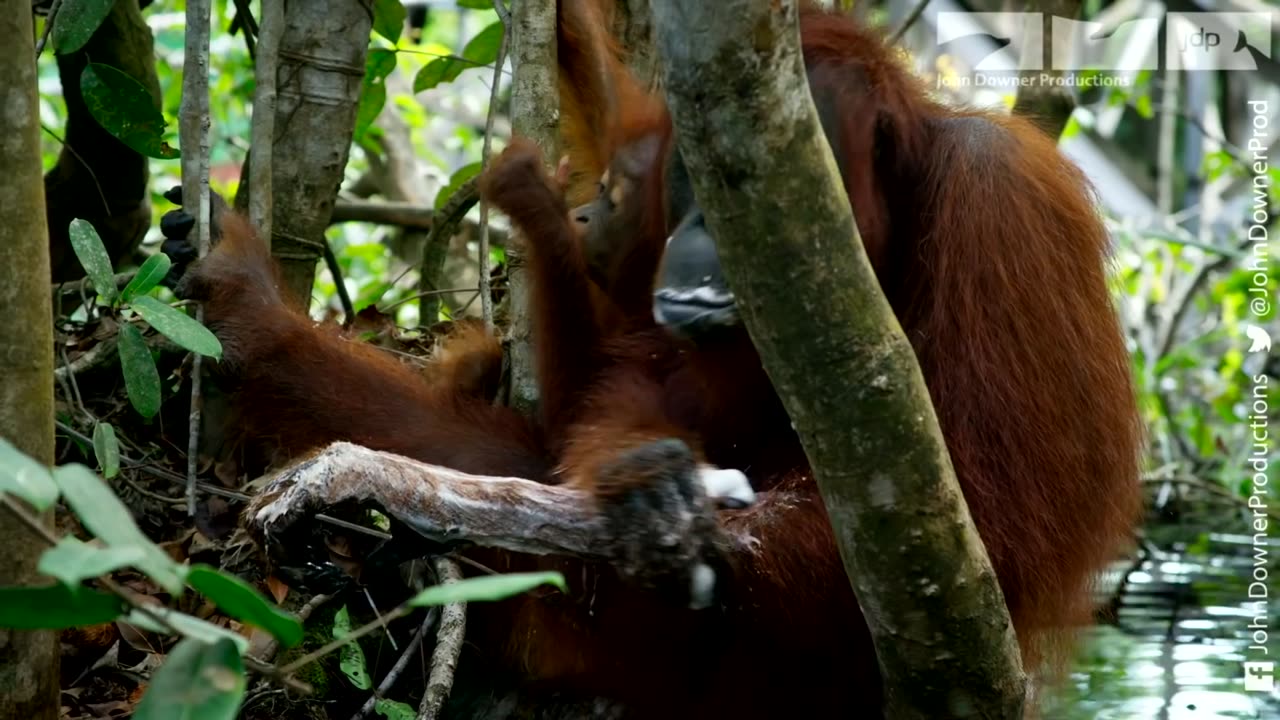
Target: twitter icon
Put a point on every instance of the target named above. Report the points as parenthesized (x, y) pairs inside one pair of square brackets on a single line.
[(1259, 339)]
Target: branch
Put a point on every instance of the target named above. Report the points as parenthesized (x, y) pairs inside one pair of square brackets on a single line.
[(403, 214), (765, 178), (438, 503), (444, 659)]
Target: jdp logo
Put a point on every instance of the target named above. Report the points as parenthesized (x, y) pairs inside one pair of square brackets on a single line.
[(1193, 41), (1259, 676), (1217, 41)]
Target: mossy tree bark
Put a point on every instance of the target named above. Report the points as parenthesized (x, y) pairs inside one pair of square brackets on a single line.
[(28, 660)]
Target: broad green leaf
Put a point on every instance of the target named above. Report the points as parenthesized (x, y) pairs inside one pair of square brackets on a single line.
[(198, 681), (373, 90), (394, 710), (487, 588), (388, 19), (464, 173), (373, 97), (124, 108), (476, 4), (102, 514), (186, 625), (351, 657), (72, 561), (178, 326), (22, 477), (236, 598), (148, 276), (438, 71), (93, 258), (106, 449), (76, 22), (141, 379), (53, 607), (483, 48)]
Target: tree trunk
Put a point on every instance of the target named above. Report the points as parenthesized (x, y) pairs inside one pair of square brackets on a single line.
[(766, 179), (28, 660), (321, 68)]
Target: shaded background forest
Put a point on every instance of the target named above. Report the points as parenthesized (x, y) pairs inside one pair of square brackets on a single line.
[(1166, 150)]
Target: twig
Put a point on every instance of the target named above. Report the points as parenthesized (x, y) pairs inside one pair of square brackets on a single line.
[(427, 293), (394, 673), (331, 262), (193, 132), (48, 27), (67, 379), (106, 207), (85, 284), (447, 220), (94, 357), (244, 20), (486, 293), (396, 614), (391, 639), (1181, 301), (449, 636), (269, 649), (262, 133), (908, 21)]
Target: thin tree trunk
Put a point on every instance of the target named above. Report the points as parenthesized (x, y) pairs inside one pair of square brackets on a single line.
[(28, 660), (535, 113)]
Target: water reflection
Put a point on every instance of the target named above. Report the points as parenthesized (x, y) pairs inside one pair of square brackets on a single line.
[(1175, 648)]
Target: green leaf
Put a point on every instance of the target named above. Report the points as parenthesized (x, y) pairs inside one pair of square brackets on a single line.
[(483, 48), (102, 514), (476, 4), (178, 326), (373, 90), (394, 710), (125, 108), (459, 178), (198, 681), (487, 588), (76, 22), (351, 656), (22, 477), (93, 258), (148, 276), (141, 379), (186, 625), (388, 19), (106, 449), (438, 71), (53, 607), (236, 598), (72, 562)]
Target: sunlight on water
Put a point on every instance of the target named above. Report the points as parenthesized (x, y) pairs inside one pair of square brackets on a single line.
[(1175, 652)]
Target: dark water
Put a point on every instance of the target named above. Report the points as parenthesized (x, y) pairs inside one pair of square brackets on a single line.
[(1177, 646)]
